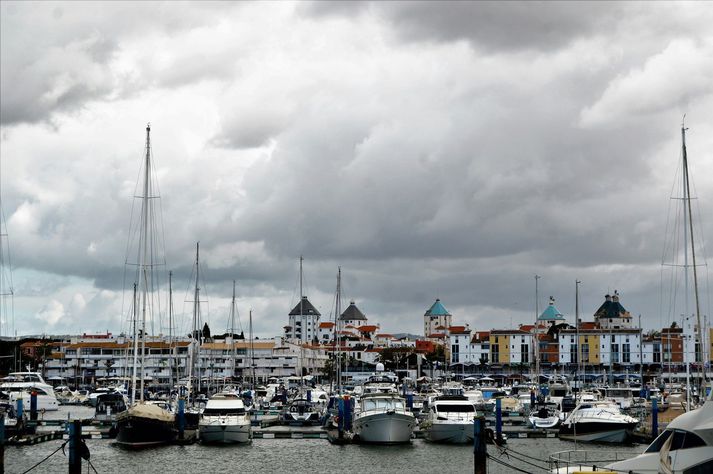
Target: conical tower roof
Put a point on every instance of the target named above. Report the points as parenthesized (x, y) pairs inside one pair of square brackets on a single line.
[(306, 307), (437, 309), (611, 308), (551, 313), (352, 313)]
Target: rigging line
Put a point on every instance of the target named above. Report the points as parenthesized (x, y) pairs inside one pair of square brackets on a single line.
[(526, 462), (47, 457), (508, 465)]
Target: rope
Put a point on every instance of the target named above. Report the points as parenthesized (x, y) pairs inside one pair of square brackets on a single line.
[(508, 465), (92, 466), (46, 458), (525, 462)]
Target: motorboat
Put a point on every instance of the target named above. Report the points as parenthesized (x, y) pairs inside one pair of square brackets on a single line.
[(382, 418), (224, 420), (21, 385), (598, 422), (450, 420), (301, 411), (108, 406), (546, 416), (685, 446)]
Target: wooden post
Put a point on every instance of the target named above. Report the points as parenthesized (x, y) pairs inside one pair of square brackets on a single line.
[(498, 421), (480, 450), (33, 405), (181, 417), (2, 443), (75, 444)]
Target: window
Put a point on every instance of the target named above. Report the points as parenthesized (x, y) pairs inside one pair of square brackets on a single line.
[(626, 353), (573, 353), (614, 353), (524, 354)]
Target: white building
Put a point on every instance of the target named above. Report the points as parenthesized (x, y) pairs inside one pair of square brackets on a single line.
[(303, 324), (437, 315)]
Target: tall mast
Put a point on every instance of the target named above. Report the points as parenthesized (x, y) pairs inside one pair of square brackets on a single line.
[(136, 347), (536, 352), (301, 291), (196, 318), (232, 329), (170, 332), (338, 311), (144, 255), (576, 316), (252, 349), (687, 201)]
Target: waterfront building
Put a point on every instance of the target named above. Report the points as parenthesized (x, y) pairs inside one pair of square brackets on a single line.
[(351, 317), (611, 314), (436, 316), (303, 324)]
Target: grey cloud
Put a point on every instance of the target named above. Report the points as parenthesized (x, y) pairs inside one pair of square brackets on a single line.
[(493, 26)]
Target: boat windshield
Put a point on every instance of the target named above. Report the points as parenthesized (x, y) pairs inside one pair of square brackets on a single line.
[(223, 411), (465, 408), (681, 440), (382, 404)]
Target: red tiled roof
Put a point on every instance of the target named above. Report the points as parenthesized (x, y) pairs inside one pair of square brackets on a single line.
[(326, 325), (368, 328)]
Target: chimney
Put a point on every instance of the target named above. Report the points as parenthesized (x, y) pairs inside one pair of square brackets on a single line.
[(607, 298), (615, 298)]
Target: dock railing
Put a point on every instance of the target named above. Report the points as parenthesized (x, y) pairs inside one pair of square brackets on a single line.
[(575, 459)]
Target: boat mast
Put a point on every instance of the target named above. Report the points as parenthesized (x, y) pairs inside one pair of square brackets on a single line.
[(338, 311), (144, 254), (170, 332), (232, 330), (136, 346), (536, 352), (579, 351), (687, 202), (197, 330), (252, 349)]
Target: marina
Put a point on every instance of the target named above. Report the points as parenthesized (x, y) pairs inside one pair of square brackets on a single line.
[(356, 237)]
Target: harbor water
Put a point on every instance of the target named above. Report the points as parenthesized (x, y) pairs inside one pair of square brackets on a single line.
[(291, 455)]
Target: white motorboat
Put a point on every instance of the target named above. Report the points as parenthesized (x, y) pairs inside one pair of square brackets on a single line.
[(685, 446), (225, 420), (20, 385), (450, 420), (301, 411), (599, 422), (544, 417), (382, 418)]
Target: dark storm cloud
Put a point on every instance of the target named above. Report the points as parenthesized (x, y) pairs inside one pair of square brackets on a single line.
[(493, 26)]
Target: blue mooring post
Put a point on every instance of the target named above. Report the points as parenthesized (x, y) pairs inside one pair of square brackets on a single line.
[(33, 406), (75, 443), (498, 420), (341, 415), (480, 450), (309, 395), (2, 442), (19, 409), (181, 417), (654, 418), (348, 413), (409, 401), (532, 400)]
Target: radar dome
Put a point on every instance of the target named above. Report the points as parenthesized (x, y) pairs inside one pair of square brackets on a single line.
[(379, 367)]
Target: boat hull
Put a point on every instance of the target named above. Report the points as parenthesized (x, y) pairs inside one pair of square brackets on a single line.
[(455, 433), (597, 432), (138, 432), (224, 433), (384, 428)]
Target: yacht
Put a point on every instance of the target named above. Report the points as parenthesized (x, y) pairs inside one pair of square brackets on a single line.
[(546, 416), (685, 446), (145, 424), (382, 418), (450, 420), (599, 422), (225, 420), (301, 411), (20, 385)]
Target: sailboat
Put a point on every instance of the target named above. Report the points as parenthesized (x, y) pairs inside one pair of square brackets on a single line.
[(144, 424)]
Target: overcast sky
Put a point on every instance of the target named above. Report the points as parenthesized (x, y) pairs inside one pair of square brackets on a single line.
[(448, 150)]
